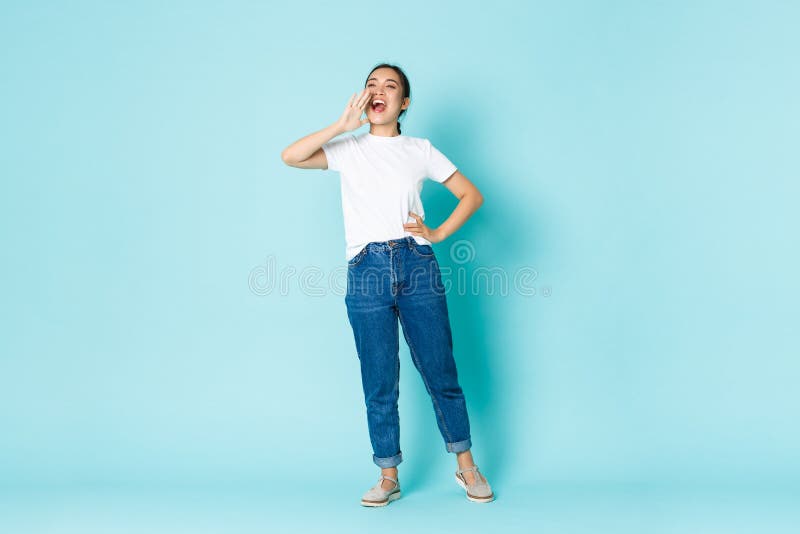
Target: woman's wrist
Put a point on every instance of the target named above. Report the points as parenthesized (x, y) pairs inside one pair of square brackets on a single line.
[(337, 128), (438, 235)]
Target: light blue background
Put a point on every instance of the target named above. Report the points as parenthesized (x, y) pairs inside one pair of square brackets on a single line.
[(641, 156)]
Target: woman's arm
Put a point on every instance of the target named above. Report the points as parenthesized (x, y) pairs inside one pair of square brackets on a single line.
[(307, 152), (470, 199)]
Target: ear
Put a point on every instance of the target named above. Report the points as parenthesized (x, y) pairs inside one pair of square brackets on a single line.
[(406, 103)]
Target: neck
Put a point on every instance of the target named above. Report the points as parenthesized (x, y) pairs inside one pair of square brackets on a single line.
[(384, 130)]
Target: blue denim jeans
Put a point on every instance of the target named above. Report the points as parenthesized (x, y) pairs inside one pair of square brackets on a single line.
[(400, 280)]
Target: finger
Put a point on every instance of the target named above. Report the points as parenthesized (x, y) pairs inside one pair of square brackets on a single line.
[(357, 99), (416, 217), (350, 103), (361, 98)]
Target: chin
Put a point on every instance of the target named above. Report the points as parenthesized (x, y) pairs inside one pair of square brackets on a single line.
[(381, 119)]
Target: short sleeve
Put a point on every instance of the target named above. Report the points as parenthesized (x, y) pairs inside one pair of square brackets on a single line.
[(336, 152), (438, 167)]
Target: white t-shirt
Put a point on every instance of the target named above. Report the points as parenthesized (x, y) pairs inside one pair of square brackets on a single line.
[(381, 179)]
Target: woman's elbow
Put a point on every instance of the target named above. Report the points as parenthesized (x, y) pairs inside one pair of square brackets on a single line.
[(286, 157), (478, 199)]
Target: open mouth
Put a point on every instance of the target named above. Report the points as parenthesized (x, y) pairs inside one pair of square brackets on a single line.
[(378, 105)]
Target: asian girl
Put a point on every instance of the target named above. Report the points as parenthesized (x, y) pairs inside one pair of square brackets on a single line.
[(392, 271)]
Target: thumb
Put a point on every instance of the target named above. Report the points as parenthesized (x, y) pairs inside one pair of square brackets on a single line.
[(364, 121)]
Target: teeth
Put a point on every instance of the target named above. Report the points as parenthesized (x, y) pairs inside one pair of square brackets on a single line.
[(378, 101)]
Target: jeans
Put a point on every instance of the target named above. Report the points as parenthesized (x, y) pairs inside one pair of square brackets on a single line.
[(400, 279)]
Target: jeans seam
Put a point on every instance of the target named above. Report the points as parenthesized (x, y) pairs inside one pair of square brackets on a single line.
[(424, 379), (414, 249), (449, 445), (399, 457), (392, 274)]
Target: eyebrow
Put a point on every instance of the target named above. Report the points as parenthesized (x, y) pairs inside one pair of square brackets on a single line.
[(387, 79)]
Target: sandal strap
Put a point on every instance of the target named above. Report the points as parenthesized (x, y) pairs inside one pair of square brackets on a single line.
[(471, 468), (387, 477)]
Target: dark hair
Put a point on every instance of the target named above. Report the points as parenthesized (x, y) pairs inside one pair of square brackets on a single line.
[(403, 82)]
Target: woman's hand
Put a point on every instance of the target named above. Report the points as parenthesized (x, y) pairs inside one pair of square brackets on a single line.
[(351, 117), (421, 229)]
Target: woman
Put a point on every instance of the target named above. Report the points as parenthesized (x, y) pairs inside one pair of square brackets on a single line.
[(393, 272)]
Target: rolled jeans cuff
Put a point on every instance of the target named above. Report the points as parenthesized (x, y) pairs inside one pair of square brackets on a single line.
[(459, 446), (391, 461)]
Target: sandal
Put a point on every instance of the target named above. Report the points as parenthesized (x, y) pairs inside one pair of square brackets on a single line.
[(377, 496), (479, 490)]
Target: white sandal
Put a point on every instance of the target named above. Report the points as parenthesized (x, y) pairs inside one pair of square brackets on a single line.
[(479, 490), (377, 496)]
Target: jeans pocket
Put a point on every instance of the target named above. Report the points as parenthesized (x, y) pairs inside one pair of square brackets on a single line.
[(355, 260), (423, 251)]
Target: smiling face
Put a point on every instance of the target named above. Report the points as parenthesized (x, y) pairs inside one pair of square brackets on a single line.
[(386, 96)]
